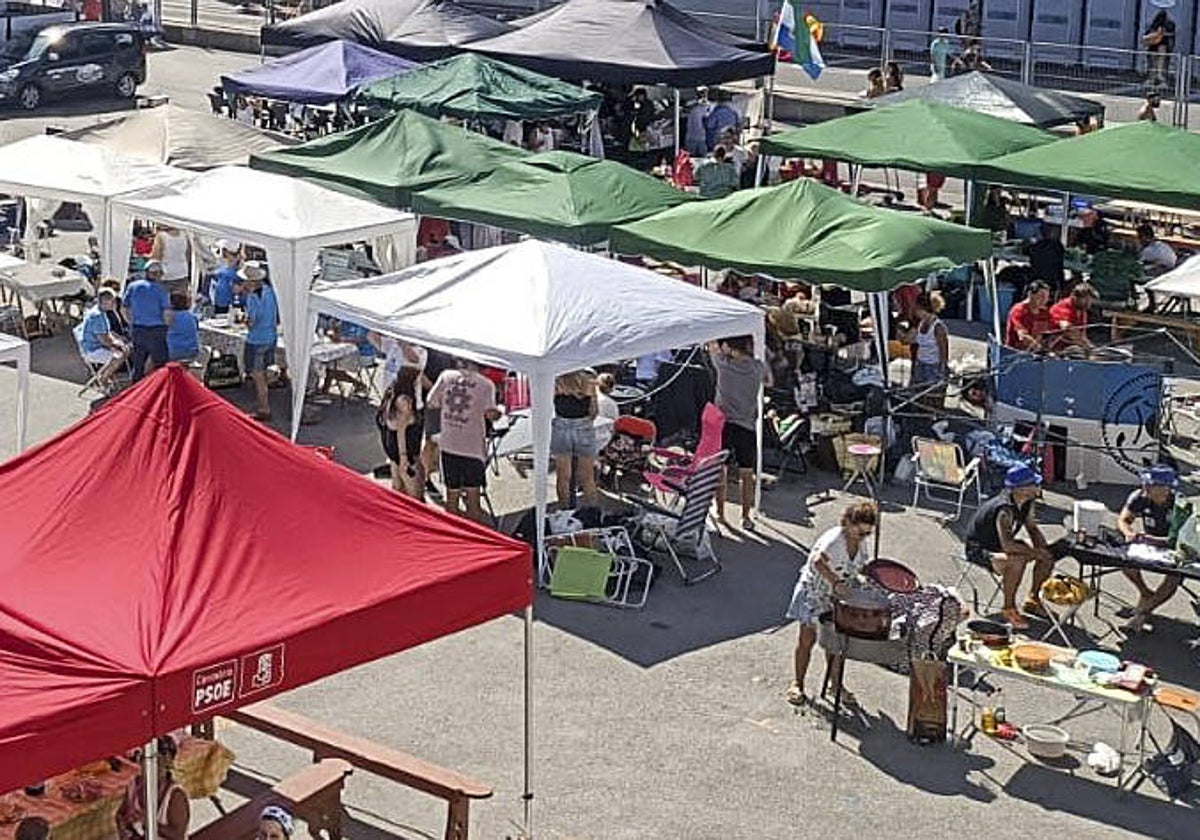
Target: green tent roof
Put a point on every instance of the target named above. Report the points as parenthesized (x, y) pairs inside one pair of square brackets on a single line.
[(1143, 161), (918, 135), (473, 86), (386, 161), (554, 195), (808, 231)]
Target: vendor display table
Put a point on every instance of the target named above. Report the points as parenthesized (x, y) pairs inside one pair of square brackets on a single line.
[(227, 338), (42, 284), (1098, 560), (199, 769), (1133, 708)]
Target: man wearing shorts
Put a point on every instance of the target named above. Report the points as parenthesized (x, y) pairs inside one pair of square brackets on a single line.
[(465, 400), (740, 379), (262, 315)]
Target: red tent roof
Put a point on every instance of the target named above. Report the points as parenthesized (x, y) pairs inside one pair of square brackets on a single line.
[(167, 559)]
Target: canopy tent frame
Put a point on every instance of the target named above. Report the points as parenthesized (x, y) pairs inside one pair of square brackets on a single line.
[(16, 350), (542, 372)]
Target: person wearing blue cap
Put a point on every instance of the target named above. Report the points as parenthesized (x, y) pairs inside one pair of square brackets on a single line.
[(274, 823), (992, 539), (1152, 504)]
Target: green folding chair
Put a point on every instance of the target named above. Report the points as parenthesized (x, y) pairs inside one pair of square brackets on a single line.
[(615, 577)]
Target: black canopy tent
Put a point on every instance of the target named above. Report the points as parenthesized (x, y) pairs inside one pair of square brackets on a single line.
[(421, 30), (628, 42)]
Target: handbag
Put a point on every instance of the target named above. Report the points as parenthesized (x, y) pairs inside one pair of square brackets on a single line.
[(222, 372)]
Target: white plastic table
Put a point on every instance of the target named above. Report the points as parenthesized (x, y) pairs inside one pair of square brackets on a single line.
[(13, 349)]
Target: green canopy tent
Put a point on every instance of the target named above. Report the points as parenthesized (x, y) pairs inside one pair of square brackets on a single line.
[(1142, 161), (472, 86), (806, 230), (915, 135), (386, 161), (554, 195)]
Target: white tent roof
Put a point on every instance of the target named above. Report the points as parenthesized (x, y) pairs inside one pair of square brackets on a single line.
[(51, 167), (538, 308), (1181, 281), (180, 137), (289, 218)]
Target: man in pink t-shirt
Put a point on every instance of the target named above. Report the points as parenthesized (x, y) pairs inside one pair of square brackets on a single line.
[(467, 400)]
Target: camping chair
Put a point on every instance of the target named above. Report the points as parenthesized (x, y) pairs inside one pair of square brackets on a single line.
[(681, 532), (671, 466), (93, 382), (629, 449), (967, 569), (939, 465), (598, 565)]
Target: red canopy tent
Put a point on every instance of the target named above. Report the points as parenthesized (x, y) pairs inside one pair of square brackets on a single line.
[(168, 559)]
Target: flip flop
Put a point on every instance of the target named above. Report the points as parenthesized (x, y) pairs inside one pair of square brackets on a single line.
[(795, 695)]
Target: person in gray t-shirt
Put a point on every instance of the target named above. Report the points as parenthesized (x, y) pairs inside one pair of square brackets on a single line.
[(740, 377)]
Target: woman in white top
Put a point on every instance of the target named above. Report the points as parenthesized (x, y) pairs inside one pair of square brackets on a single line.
[(930, 347), (836, 557), (171, 248), (173, 810)]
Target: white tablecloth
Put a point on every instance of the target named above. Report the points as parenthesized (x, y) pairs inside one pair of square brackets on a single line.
[(13, 349), (43, 282)]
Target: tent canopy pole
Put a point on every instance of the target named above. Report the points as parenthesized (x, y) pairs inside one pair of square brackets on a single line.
[(150, 785)]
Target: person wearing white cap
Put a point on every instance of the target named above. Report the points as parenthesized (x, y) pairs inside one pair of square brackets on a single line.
[(220, 290), (274, 823), (262, 315), (100, 345), (148, 310), (1150, 505)]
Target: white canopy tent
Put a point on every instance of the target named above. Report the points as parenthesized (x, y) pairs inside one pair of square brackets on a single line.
[(289, 218), (16, 350), (543, 310), (1182, 281), (48, 170)]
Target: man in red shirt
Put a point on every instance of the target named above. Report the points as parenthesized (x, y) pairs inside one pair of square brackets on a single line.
[(1069, 318), (1029, 320)]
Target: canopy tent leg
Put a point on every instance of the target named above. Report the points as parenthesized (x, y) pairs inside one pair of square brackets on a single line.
[(760, 353), (676, 127), (527, 795), (969, 220), (879, 316), (150, 785), (769, 109), (989, 279), (855, 179), (1064, 230)]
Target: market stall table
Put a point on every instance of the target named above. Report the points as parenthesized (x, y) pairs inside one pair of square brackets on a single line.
[(228, 338), (42, 284), (1133, 708), (199, 768), (1099, 560)]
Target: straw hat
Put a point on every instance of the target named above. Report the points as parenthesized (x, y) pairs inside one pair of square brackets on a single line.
[(782, 321)]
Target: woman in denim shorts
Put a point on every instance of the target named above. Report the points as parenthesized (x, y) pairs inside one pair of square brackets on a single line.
[(573, 435)]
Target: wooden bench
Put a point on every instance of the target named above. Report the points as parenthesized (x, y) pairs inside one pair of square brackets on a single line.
[(456, 789), (1123, 318), (314, 795)]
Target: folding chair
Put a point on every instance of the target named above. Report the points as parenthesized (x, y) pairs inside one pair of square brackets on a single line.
[(671, 466), (967, 567), (681, 532), (598, 565), (93, 382), (629, 448), (1059, 614), (939, 465)]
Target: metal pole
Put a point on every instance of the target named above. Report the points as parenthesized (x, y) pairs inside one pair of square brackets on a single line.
[(855, 179), (760, 169), (769, 110), (989, 278), (527, 796), (194, 15), (150, 783), (676, 126), (1027, 65), (1065, 228)]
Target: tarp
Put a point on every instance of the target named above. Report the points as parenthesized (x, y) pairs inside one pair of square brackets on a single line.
[(1181, 281), (317, 75), (387, 160), (476, 87), (1142, 161), (540, 309), (290, 218), (169, 559), (805, 230), (919, 135), (49, 170), (179, 137), (423, 30), (627, 42), (997, 96), (554, 195)]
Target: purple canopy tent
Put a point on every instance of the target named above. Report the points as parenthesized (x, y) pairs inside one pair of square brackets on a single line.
[(318, 75)]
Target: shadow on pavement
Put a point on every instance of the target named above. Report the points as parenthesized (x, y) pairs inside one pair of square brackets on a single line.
[(1099, 801)]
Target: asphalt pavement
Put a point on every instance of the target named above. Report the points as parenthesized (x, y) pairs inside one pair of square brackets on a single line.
[(670, 722)]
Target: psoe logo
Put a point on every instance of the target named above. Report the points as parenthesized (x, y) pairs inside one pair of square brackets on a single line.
[(214, 686), (261, 670)]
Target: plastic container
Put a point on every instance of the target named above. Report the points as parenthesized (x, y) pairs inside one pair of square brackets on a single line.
[(1046, 741)]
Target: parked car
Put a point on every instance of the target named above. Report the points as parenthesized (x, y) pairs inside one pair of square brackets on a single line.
[(73, 58)]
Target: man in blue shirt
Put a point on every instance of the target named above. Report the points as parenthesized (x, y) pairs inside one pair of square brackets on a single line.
[(262, 315), (183, 336), (720, 119), (98, 343), (220, 290), (148, 310)]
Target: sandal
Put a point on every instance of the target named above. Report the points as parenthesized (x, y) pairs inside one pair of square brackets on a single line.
[(795, 695), (1013, 616)]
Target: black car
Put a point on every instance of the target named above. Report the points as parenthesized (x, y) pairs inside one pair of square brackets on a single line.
[(73, 58)]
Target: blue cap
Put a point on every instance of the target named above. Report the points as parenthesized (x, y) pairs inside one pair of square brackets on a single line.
[(1159, 475), (1022, 475)]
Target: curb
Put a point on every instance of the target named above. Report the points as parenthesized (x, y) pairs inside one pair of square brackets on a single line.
[(215, 39)]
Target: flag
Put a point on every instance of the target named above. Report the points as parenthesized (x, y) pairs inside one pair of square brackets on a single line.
[(800, 43)]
